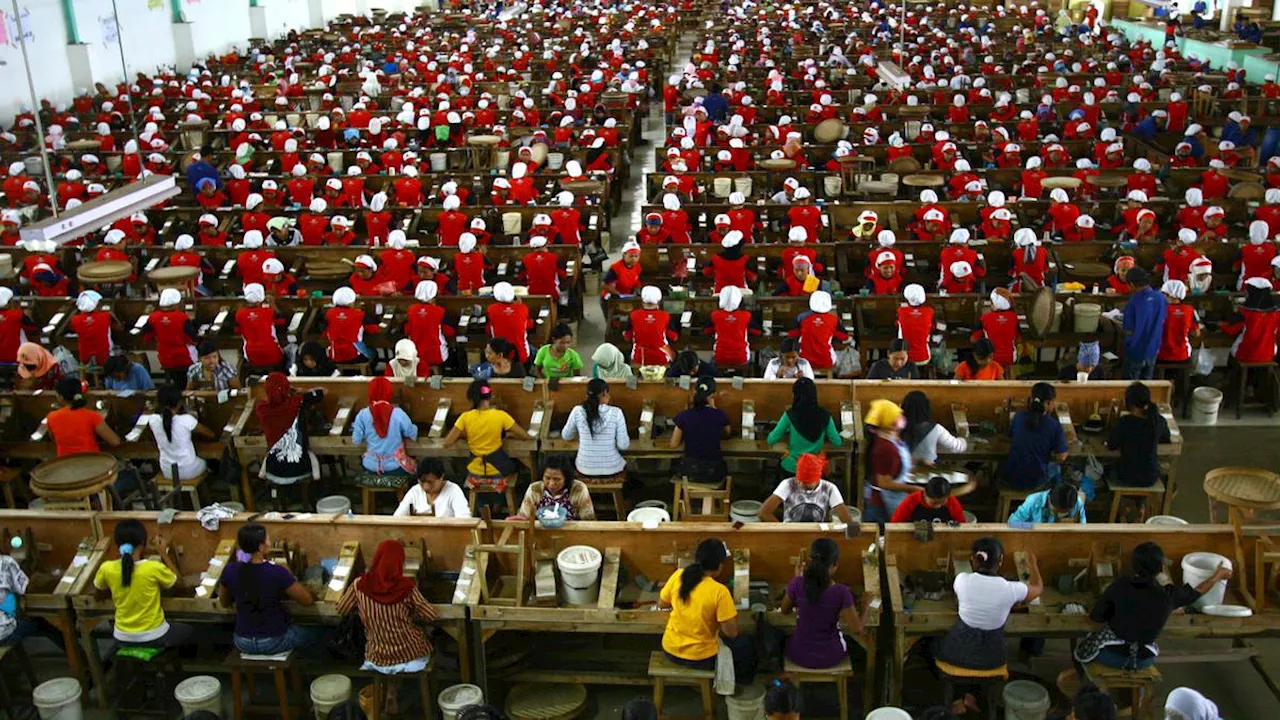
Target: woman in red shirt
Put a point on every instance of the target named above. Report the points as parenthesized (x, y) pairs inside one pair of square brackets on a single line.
[(93, 329), (75, 428), (510, 320)]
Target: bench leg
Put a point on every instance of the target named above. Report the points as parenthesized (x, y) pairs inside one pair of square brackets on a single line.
[(304, 699), (282, 694), (379, 696), (708, 700), (236, 703), (842, 693), (1115, 506), (425, 696), (367, 501), (658, 690)]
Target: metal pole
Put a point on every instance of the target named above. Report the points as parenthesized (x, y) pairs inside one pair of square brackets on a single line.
[(35, 110), (124, 69)]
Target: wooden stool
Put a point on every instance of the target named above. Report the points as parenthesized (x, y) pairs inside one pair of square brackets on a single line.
[(8, 476), (508, 485), (613, 491), (989, 682), (20, 656), (1149, 494), (663, 671), (1140, 683), (191, 487), (241, 665), (380, 687), (372, 484), (1243, 490), (1180, 374), (361, 369), (145, 679), (702, 502), (1240, 373), (839, 674), (1008, 498)]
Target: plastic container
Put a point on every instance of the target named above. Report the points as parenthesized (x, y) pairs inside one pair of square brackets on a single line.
[(579, 574), (1205, 402), (888, 713), (336, 161), (511, 223), (439, 161), (555, 160), (649, 515), (200, 692), (1025, 700), (745, 511), (721, 187), (970, 518), (58, 699), (233, 506), (329, 691), (1198, 567), (746, 704), (831, 185), (455, 697), (1085, 316), (1166, 520), (660, 504), (742, 185), (333, 505), (1058, 308)]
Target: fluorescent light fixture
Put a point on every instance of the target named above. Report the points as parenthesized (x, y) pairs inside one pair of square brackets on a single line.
[(104, 210), (892, 74)]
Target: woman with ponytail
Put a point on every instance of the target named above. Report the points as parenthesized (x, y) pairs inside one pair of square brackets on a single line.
[(822, 605), (601, 432), (976, 641), (700, 429), (1036, 440), (76, 428), (703, 614), (135, 585), (1137, 436), (258, 589), (173, 428)]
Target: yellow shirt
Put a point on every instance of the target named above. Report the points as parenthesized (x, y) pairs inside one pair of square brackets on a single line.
[(483, 429), (694, 626), (138, 609)]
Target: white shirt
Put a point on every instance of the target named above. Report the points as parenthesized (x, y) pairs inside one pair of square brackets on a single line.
[(985, 600), (939, 438), (176, 447), (802, 369), (450, 503), (801, 505)]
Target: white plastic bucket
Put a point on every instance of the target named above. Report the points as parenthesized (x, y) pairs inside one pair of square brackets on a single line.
[(1198, 567), (511, 223), (742, 185), (1086, 317), (1025, 700), (329, 691), (722, 187), (455, 697), (333, 505), (970, 518), (1058, 308), (233, 506), (1166, 520), (831, 185), (746, 704), (501, 158), (649, 515), (201, 692), (745, 511), (58, 699), (34, 165), (336, 162), (1205, 402), (504, 101), (439, 161), (888, 713), (555, 160), (580, 574), (660, 504)]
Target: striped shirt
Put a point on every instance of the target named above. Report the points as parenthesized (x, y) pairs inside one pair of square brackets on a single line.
[(391, 635), (598, 451)]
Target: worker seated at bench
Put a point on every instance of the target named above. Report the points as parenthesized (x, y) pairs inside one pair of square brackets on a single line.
[(135, 583), (934, 503), (806, 496), (1062, 503), (257, 589), (432, 495), (557, 489), (704, 620), (821, 604), (700, 430)]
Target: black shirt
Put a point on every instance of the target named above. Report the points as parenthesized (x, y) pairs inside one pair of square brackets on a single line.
[(1136, 438), (881, 370), (1136, 609)]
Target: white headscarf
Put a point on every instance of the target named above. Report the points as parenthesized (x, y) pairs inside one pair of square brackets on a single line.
[(503, 292), (820, 301), (1190, 705), (254, 293), (88, 301), (344, 297), (913, 294), (730, 298), (405, 350), (170, 297), (1174, 289), (426, 290)]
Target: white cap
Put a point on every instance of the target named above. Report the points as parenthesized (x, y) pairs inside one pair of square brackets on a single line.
[(426, 290), (1187, 236), (913, 294), (820, 301), (959, 236), (252, 239), (503, 292), (114, 237), (961, 269), (396, 239), (797, 234), (466, 242), (452, 202), (318, 205), (272, 266), (730, 298), (1024, 237), (1258, 282), (254, 293), (737, 198), (1174, 289), (170, 297), (344, 297), (1059, 195), (88, 301), (731, 239), (650, 295), (1142, 165), (886, 238), (999, 301), (1194, 197), (1137, 196)]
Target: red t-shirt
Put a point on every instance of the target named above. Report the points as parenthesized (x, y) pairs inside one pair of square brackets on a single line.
[(174, 347), (906, 511), (511, 322), (542, 272), (816, 331), (257, 326), (1001, 328), (731, 345), (1175, 338), (73, 430), (428, 331), (345, 327), (915, 324), (650, 332), (93, 331)]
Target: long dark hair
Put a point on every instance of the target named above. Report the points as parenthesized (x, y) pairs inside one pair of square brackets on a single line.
[(170, 397), (981, 349), (479, 392), (133, 534), (824, 553), (781, 698), (1138, 396), (71, 391), (987, 554), (1042, 394), (314, 350), (1148, 560), (1062, 498), (249, 539), (591, 405), (703, 391), (918, 412), (807, 416), (708, 558)]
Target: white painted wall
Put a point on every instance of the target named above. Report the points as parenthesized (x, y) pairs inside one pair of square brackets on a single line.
[(150, 38)]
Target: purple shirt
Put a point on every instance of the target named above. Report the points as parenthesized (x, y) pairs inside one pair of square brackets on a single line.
[(264, 616), (817, 642)]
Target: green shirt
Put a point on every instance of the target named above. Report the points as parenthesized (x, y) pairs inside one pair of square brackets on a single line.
[(798, 444), (564, 366)]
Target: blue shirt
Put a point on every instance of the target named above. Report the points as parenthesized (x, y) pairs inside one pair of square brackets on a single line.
[(1028, 463), (1143, 323), (1035, 509), (136, 378), (200, 170), (380, 452), (1147, 129), (717, 107)]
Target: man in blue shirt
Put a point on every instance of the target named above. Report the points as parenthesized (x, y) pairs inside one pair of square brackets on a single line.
[(121, 373), (1143, 325), (716, 104), (1149, 127)]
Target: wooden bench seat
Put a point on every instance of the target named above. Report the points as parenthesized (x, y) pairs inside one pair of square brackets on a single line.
[(662, 671)]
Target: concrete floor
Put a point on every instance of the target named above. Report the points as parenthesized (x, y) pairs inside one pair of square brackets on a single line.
[(1235, 687)]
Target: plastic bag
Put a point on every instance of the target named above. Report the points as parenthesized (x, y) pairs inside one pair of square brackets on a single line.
[(848, 363), (66, 361), (1204, 361)]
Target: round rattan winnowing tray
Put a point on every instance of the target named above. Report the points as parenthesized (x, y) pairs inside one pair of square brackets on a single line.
[(546, 701), (105, 271), (1244, 487), (73, 476)]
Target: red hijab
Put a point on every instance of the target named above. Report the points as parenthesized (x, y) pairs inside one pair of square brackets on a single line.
[(380, 392), (384, 582), (809, 468), (278, 411)]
